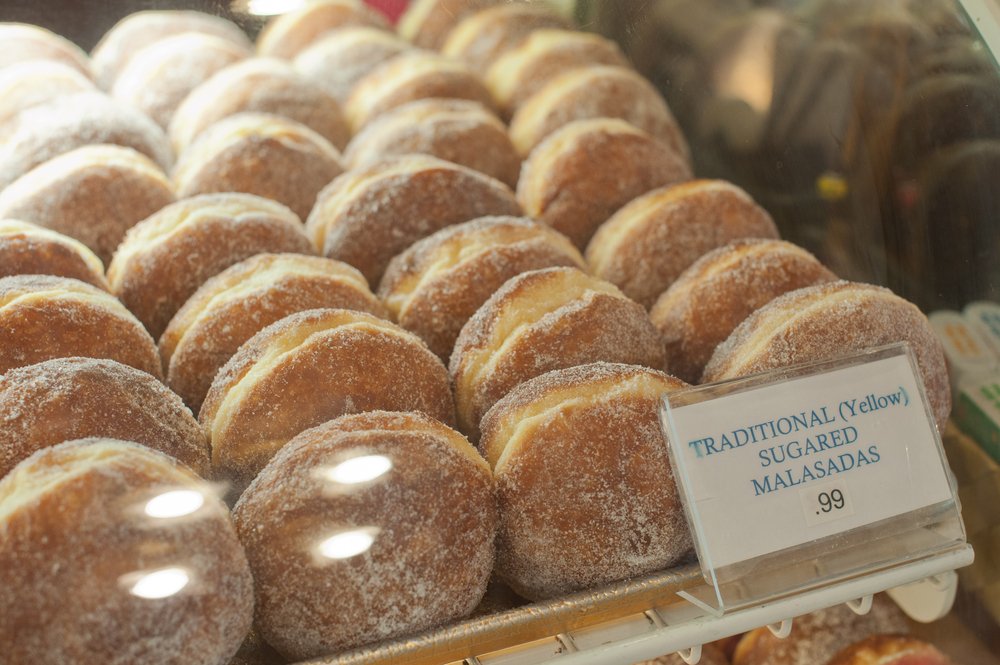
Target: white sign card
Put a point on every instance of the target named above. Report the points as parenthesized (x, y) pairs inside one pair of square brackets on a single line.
[(795, 460)]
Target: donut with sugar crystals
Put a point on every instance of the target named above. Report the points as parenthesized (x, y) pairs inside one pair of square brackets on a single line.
[(540, 321), (455, 130), (44, 317), (584, 484), (141, 29), (145, 550), (722, 288), (481, 38), (426, 23), (94, 194), (74, 398), (261, 154), (72, 121), (287, 35), (583, 173), (34, 82), (596, 92), (236, 304), (397, 553), (166, 257), (437, 284), (27, 249), (342, 58), (158, 78), (646, 245), (312, 367), (259, 85), (890, 650), (828, 321), (25, 43), (408, 77), (544, 54), (370, 214)]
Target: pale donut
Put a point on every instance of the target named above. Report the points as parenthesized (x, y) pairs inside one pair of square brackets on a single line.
[(481, 38), (287, 35), (342, 58), (23, 43), (35, 82), (27, 249), (426, 23)]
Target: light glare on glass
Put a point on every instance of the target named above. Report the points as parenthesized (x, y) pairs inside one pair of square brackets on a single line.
[(360, 469), (176, 503), (272, 7), (161, 583), (346, 544)]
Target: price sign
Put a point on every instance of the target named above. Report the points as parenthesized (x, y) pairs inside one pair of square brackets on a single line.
[(771, 463)]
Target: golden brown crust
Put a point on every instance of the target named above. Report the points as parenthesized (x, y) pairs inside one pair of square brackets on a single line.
[(369, 215), (890, 649), (540, 321), (166, 257), (439, 282), (455, 130), (44, 317), (23, 43), (578, 177), (426, 23), (596, 92), (260, 154), (259, 85), (26, 249), (236, 304), (342, 58), (35, 82), (584, 484), (481, 38), (706, 303), (831, 320), (430, 556), (646, 245), (408, 77), (74, 398), (287, 35), (94, 194), (312, 367), (74, 520)]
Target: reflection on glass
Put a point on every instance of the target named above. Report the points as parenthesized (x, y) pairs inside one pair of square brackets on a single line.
[(267, 7), (175, 503), (161, 583), (361, 469), (346, 544)]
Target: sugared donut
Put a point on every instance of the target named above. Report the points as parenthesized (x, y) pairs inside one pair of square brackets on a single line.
[(540, 321), (141, 29), (710, 655), (830, 320), (27, 249), (521, 72), (706, 303), (455, 130), (165, 258), (72, 121), (426, 23), (817, 637), (890, 650), (73, 398), (369, 215), (584, 485), (287, 35), (312, 367), (149, 556), (240, 301), (35, 82), (94, 194), (578, 177), (44, 317), (23, 42), (261, 154), (647, 244), (481, 38), (342, 58), (438, 283), (158, 78), (258, 85), (408, 77), (397, 553), (596, 92)]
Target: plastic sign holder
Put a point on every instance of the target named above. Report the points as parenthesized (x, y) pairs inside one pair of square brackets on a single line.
[(806, 477)]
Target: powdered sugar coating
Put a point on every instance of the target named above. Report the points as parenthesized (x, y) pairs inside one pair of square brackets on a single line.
[(94, 194), (431, 556), (830, 320), (27, 249), (343, 57), (646, 245), (34, 82), (74, 398), (44, 317), (890, 650), (24, 43), (426, 23), (706, 303), (82, 533), (481, 38), (585, 488), (71, 121), (288, 34)]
